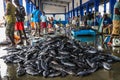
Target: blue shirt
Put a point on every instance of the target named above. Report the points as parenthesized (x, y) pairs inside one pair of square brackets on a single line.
[(36, 15)]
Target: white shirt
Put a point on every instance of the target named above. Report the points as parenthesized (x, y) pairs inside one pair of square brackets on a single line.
[(43, 18), (74, 22)]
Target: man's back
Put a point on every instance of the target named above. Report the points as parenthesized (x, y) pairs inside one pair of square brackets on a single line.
[(36, 15)]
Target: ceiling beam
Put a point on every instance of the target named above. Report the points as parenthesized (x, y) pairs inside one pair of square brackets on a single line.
[(49, 2), (56, 1), (54, 5)]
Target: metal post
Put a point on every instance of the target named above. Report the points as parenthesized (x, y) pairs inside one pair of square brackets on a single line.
[(32, 7), (81, 9), (87, 7), (28, 7), (77, 12), (21, 2), (104, 6), (112, 3), (54, 15), (39, 4), (71, 14), (35, 2), (73, 8), (96, 5)]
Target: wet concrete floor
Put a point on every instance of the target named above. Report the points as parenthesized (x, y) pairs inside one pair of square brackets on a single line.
[(8, 71)]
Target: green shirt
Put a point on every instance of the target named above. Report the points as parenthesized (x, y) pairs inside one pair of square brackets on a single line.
[(10, 17)]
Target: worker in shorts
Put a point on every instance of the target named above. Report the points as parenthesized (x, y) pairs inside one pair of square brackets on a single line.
[(43, 23), (20, 16), (36, 19)]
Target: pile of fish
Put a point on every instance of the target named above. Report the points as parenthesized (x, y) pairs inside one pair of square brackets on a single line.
[(58, 56)]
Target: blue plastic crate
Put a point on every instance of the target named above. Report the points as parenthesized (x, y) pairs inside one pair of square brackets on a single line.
[(83, 32)]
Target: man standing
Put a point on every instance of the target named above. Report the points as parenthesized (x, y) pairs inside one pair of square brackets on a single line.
[(20, 16), (36, 19), (10, 21), (85, 19), (43, 23), (116, 21)]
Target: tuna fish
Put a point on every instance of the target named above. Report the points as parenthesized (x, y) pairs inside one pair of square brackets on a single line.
[(58, 56)]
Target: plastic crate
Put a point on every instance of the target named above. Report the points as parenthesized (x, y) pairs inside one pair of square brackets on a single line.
[(83, 32)]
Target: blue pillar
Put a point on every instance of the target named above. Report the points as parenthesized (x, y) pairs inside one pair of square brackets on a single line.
[(73, 8), (32, 7), (35, 2), (104, 6), (68, 14), (28, 7), (81, 9), (54, 15), (77, 12), (96, 5), (71, 14), (112, 3), (21, 2), (87, 7)]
